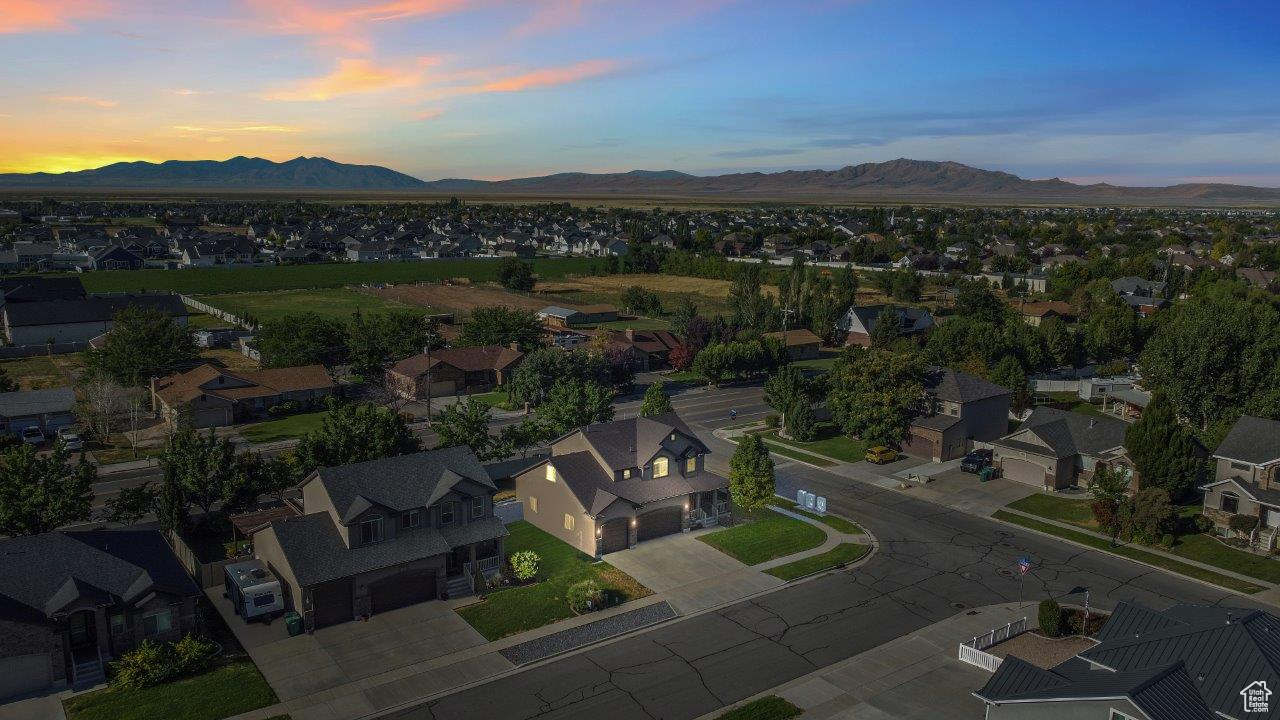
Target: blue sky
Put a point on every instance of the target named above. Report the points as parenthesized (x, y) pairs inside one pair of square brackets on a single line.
[(1126, 92)]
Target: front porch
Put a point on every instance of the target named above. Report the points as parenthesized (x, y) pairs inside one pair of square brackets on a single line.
[(462, 564), (708, 507)]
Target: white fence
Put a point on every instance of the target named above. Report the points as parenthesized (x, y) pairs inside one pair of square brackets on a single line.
[(1043, 385), (217, 312), (974, 651)]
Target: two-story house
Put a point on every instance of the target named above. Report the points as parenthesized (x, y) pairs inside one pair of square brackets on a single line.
[(957, 408), (1246, 477), (383, 534), (607, 486)]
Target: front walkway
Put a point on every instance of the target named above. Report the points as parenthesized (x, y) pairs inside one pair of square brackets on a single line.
[(915, 677)]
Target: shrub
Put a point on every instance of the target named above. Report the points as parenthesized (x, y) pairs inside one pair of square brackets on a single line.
[(1203, 523), (584, 596), (1105, 513), (151, 663), (1050, 618), (1166, 542), (1244, 524), (771, 421), (524, 565), (478, 584), (288, 407), (192, 654)]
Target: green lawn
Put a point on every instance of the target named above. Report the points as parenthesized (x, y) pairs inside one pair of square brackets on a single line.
[(791, 452), (199, 321), (1131, 552), (831, 443), (838, 524), (338, 303), (286, 428), (823, 364), (841, 554), (515, 610), (766, 536), (638, 324), (770, 707), (495, 399), (226, 690), (1067, 510), (292, 277)]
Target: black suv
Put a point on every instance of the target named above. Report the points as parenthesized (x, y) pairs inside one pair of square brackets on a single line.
[(975, 461)]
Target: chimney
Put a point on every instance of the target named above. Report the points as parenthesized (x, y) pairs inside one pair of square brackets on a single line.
[(514, 346)]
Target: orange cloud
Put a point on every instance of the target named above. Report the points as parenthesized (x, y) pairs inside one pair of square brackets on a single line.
[(550, 77), (340, 24), (238, 129), (21, 16), (353, 75), (85, 100)]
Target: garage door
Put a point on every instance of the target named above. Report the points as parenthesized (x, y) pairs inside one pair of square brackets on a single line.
[(331, 603), (405, 588), (613, 535), (24, 674), (657, 523), (920, 446), (1022, 471)]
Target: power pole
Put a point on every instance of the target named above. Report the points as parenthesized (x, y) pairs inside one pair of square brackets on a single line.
[(431, 336)]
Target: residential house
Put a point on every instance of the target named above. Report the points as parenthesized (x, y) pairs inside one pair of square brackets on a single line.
[(1189, 662), (450, 371), (858, 322), (69, 601), (957, 409), (47, 409), (1257, 276), (644, 350), (1035, 313), (1054, 449), (384, 534), (801, 344), (1144, 296), (608, 486), (1246, 477), (78, 320), (208, 396), (115, 257)]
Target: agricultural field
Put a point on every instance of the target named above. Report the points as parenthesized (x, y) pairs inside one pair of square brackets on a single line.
[(338, 303), (711, 296), (460, 299), (210, 281)]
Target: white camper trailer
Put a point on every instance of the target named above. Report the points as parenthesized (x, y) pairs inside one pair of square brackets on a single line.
[(254, 592)]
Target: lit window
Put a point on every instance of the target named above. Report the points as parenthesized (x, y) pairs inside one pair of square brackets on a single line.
[(446, 513), (533, 503), (551, 473), (626, 474), (568, 521), (371, 531), (691, 465), (477, 507), (157, 623), (660, 467)]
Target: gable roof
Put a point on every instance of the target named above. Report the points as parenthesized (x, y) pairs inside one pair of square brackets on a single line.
[(401, 482), (961, 387), (91, 309), (1253, 440), (1067, 433), (466, 359), (1166, 692), (206, 379), (45, 573), (632, 442)]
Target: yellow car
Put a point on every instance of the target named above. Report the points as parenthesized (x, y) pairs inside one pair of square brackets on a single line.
[(881, 455)]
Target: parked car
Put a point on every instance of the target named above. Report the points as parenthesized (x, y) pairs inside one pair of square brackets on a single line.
[(70, 438), (975, 461), (32, 435), (881, 455)]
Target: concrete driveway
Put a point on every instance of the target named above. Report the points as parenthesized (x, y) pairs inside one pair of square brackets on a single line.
[(688, 573), (351, 652)]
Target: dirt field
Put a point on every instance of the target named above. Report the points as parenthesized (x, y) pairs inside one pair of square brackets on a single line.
[(460, 299)]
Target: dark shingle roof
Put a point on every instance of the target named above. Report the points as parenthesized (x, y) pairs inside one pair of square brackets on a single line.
[(961, 387), (1252, 440), (1068, 433), (44, 573), (632, 442), (401, 483), (93, 309), (37, 402)]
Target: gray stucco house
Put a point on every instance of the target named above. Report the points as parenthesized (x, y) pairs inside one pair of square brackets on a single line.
[(1190, 662), (384, 534), (1246, 476), (47, 409), (1054, 449), (71, 600), (957, 408), (607, 486)]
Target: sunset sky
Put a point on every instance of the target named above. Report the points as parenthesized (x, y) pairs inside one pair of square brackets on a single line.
[(1127, 92)]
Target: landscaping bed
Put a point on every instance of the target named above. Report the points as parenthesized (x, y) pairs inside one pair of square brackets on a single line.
[(223, 691), (842, 554), (763, 535), (769, 707), (512, 610)]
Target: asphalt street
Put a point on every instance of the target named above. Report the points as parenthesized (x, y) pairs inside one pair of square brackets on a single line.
[(932, 562)]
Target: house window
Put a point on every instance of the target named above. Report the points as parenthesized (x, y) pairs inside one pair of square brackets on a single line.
[(157, 623), (568, 521), (446, 513), (371, 531), (1229, 502), (1117, 715), (412, 519), (660, 467), (626, 474), (1246, 467), (691, 465), (118, 626), (533, 503), (551, 473), (477, 507)]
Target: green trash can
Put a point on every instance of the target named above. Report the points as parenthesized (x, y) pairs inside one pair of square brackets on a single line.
[(293, 622), (986, 473)]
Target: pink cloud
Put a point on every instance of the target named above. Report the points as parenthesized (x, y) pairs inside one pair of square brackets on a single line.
[(550, 77), (353, 76), (22, 16), (343, 23)]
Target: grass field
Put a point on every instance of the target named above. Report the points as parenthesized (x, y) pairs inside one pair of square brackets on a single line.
[(711, 296), (226, 690), (770, 707), (768, 535), (294, 426), (337, 303), (209, 281), (791, 452), (841, 554), (830, 443), (513, 610)]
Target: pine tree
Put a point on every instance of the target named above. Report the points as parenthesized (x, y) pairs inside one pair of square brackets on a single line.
[(656, 401), (1162, 448)]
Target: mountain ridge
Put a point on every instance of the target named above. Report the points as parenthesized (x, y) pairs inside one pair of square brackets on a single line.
[(895, 178)]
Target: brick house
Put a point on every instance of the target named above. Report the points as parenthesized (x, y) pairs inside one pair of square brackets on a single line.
[(208, 396), (451, 371)]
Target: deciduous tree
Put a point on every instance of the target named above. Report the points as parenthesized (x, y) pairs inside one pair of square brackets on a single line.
[(874, 394), (352, 433), (751, 474), (574, 403), (143, 343), (656, 401), (40, 493)]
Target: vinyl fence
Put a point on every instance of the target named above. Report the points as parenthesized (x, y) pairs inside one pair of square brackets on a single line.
[(974, 651), (217, 312)]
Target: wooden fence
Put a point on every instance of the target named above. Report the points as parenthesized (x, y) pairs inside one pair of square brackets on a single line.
[(974, 651), (206, 574)]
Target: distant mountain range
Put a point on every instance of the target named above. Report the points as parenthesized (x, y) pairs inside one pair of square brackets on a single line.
[(901, 179)]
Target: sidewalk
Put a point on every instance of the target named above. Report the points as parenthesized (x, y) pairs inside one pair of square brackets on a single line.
[(915, 677)]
